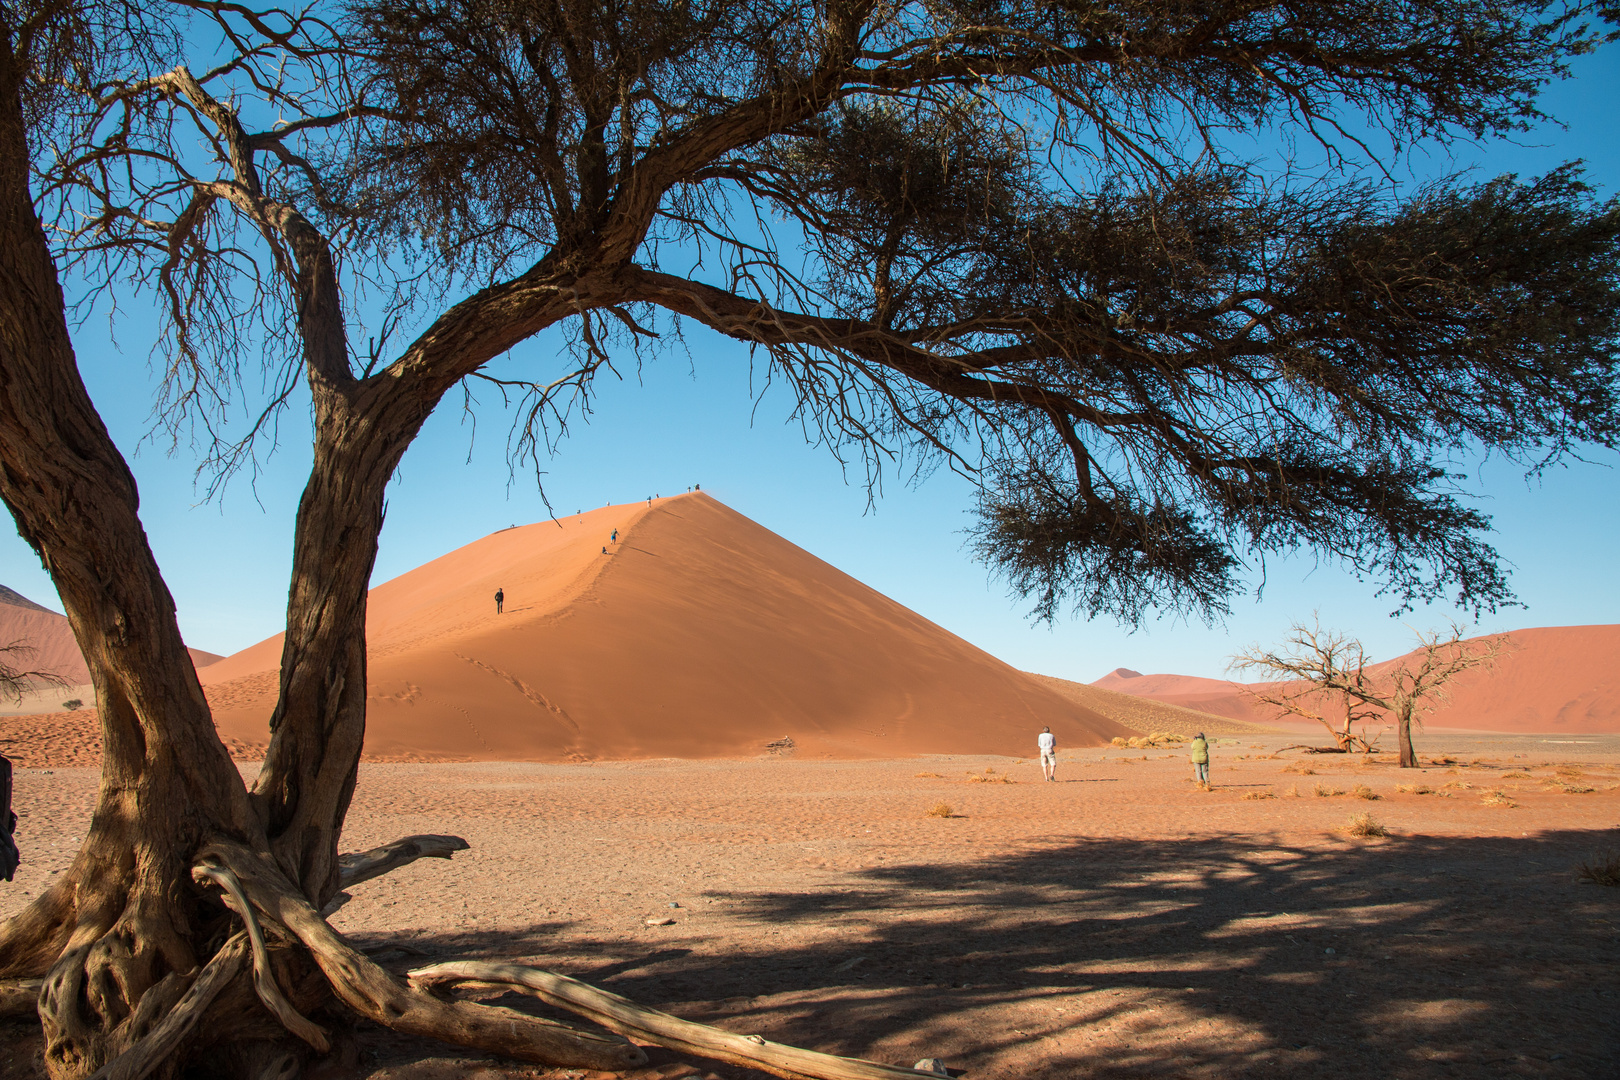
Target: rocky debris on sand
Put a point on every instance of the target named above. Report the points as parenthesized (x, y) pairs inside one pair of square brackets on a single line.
[(783, 746)]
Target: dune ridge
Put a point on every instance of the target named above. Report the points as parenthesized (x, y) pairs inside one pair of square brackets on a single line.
[(1554, 679), (699, 633)]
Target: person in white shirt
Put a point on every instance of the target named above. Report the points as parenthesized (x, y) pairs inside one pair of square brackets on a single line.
[(1048, 744)]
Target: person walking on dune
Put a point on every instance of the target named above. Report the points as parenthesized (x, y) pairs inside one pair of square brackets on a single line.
[(500, 600), (1047, 742), (615, 537), (1200, 758)]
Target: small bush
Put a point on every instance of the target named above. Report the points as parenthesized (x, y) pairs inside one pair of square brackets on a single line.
[(1327, 792), (1300, 769), (1457, 785), (1414, 789), (1569, 770), (1362, 791), (1259, 795), (1603, 868), (72, 704), (1516, 776), (940, 809), (1118, 741), (1292, 792), (1364, 825), (1497, 798)]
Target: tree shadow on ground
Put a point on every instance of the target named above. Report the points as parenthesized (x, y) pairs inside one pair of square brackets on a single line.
[(1406, 957)]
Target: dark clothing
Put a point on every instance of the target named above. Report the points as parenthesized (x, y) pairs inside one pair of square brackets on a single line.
[(500, 601), (9, 855)]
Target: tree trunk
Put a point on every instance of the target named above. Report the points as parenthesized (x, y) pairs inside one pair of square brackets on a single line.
[(121, 922), (1403, 725)]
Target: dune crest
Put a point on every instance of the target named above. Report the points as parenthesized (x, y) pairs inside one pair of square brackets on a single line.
[(699, 634)]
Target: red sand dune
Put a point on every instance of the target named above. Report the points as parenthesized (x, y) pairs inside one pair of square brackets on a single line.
[(1556, 679), (700, 634), (50, 635)]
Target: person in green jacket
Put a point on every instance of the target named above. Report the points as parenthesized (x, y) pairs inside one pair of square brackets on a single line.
[(1200, 758)]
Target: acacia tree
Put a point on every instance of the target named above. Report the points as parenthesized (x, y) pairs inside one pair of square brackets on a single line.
[(1323, 667), (999, 248), (1325, 662)]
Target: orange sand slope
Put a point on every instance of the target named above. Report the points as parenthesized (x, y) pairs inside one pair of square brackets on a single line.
[(50, 635), (1146, 715), (1555, 679), (699, 634)]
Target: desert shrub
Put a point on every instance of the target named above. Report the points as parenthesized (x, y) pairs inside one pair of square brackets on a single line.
[(1301, 770), (1414, 789), (1362, 791), (1364, 825), (1497, 798), (1603, 868), (1327, 792), (1568, 770), (1259, 795), (940, 809), (1516, 776), (72, 704), (929, 776), (1457, 785), (1118, 741), (1292, 792)]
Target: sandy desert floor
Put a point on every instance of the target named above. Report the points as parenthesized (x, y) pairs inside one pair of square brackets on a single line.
[(1119, 923)]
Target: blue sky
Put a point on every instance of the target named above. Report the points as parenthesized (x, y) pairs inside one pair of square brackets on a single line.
[(691, 417)]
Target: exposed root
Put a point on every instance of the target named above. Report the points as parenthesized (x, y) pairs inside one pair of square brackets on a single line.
[(19, 997), (160, 1042), (365, 865), (660, 1028), (380, 997), (264, 979)]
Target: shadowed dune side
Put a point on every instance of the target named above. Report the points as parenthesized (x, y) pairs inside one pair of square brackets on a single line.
[(1554, 679), (700, 634)]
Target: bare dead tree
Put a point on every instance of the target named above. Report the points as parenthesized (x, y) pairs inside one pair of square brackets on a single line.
[(1321, 669), (1002, 253), (15, 681), (1329, 663)]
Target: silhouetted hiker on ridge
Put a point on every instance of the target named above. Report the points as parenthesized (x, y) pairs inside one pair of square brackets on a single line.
[(500, 600)]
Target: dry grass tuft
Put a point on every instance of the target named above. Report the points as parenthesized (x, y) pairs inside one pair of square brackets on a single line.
[(1603, 868), (1258, 795), (1568, 770), (929, 776), (1292, 792), (1300, 769), (1414, 789), (1362, 791), (1327, 792), (1497, 798), (1516, 776), (975, 778), (1364, 825), (1457, 785), (941, 809)]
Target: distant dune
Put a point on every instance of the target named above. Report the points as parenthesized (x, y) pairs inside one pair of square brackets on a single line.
[(1146, 715), (50, 635), (1556, 679), (699, 634)]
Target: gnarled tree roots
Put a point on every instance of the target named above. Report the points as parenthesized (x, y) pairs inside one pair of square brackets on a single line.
[(256, 890)]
